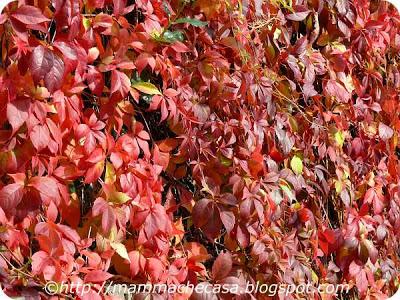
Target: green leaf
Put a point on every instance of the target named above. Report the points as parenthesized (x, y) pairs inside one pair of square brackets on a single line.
[(191, 21), (339, 137), (297, 165), (146, 87), (172, 36)]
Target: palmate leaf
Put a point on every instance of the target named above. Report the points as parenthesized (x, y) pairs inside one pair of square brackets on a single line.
[(200, 141)]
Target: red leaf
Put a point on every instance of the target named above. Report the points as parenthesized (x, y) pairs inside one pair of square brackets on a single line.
[(97, 276), (137, 262), (160, 158), (222, 266), (157, 220), (48, 66), (155, 268), (94, 172), (95, 80), (46, 186), (29, 15), (201, 212), (306, 215), (375, 197), (298, 15), (40, 137), (243, 236), (335, 89), (360, 276), (228, 219), (11, 196), (18, 113), (120, 82)]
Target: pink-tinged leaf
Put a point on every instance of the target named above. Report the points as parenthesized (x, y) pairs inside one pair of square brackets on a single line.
[(157, 220), (155, 268), (97, 276), (160, 158), (179, 47), (39, 260), (120, 82), (375, 197), (309, 90), (94, 172), (69, 233), (243, 236), (239, 284), (204, 291), (11, 196), (335, 89), (108, 218), (40, 137), (93, 295), (46, 186), (137, 262), (95, 81), (222, 266), (385, 132), (298, 16), (344, 28), (29, 15), (18, 113), (360, 277), (47, 65), (381, 232), (67, 49), (119, 6), (228, 219), (229, 199)]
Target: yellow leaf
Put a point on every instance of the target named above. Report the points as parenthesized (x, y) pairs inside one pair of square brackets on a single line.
[(119, 197), (120, 249), (112, 195), (110, 174), (146, 87), (338, 186), (297, 165), (339, 138), (338, 46)]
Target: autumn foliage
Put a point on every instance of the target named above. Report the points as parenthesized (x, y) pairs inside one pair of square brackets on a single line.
[(180, 141)]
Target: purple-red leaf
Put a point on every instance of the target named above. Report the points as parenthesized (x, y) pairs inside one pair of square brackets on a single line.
[(47, 65)]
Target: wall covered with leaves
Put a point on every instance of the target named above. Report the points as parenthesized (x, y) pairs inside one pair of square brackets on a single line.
[(180, 141)]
